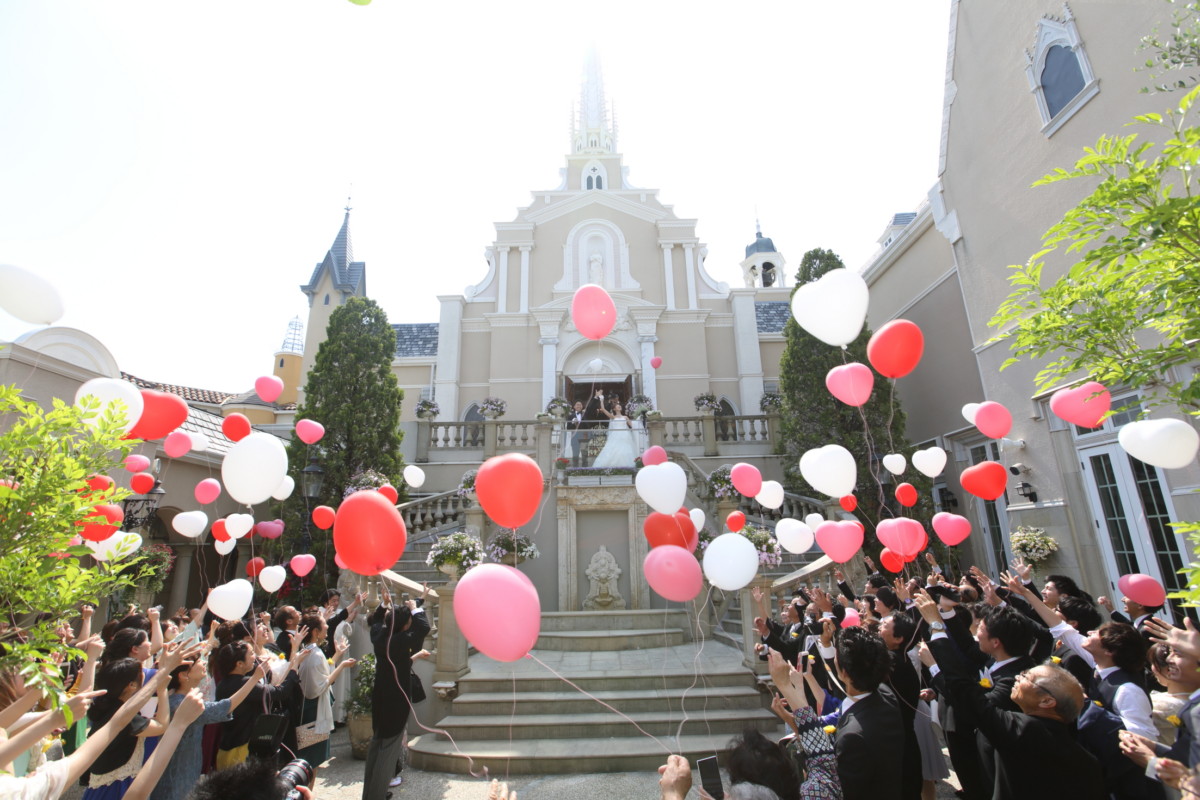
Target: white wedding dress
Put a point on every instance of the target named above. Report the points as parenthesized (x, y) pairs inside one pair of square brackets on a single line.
[(619, 448)]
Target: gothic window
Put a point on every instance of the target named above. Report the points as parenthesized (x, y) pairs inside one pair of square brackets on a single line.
[(281, 362), (1059, 72), (1061, 78), (326, 299), (599, 182), (589, 181), (594, 175)]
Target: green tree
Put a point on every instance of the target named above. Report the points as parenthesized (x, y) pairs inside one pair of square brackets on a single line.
[(45, 459), (811, 417), (352, 391), (1177, 52)]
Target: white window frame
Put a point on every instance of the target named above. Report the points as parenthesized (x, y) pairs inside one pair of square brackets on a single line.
[(1053, 31)]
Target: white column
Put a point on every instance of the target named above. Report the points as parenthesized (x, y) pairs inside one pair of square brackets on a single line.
[(549, 357), (689, 265), (669, 275), (525, 279), (746, 349), (449, 355), (649, 385), (502, 287)]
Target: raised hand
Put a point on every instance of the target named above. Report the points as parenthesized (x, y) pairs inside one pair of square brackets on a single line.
[(781, 671), (1186, 641), (757, 593), (839, 576), (827, 631), (870, 563), (760, 625), (926, 656), (81, 702), (191, 708), (298, 639), (92, 647), (1104, 601), (901, 589), (927, 606), (174, 654), (822, 601), (1025, 571)]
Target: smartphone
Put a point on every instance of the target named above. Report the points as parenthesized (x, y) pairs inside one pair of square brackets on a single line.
[(710, 777)]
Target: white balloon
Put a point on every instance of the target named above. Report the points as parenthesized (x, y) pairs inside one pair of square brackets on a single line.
[(238, 525), (794, 535), (414, 476), (199, 442), (770, 495), (120, 545), (968, 412), (697, 515), (595, 365), (930, 461), (225, 546), (662, 486), (190, 523), (271, 578), (254, 467), (1166, 443), (730, 561), (285, 488), (830, 469), (813, 520), (230, 600), (29, 297), (894, 463), (112, 390), (833, 307)]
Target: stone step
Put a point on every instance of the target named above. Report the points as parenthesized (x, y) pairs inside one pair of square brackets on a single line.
[(604, 723), (625, 700), (609, 640), (560, 756), (600, 680), (614, 620)]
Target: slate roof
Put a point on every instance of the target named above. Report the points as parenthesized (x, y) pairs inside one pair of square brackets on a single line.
[(902, 219), (347, 274), (188, 393), (771, 316), (416, 339), (761, 244), (251, 398)]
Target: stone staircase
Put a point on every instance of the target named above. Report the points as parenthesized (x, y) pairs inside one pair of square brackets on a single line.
[(690, 697)]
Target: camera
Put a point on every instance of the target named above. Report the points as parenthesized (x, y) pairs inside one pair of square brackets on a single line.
[(297, 772), (1018, 468)]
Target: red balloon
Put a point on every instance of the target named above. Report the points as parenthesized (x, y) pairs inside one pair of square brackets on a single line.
[(986, 479), (99, 483), (162, 412), (337, 559), (654, 455), (656, 362), (895, 349), (951, 528), (675, 529), (218, 531), (102, 522), (235, 427), (142, 483), (909, 558), (736, 521), (369, 533), (848, 503), (509, 488), (891, 561), (389, 491), (906, 495), (323, 517), (593, 312), (255, 566)]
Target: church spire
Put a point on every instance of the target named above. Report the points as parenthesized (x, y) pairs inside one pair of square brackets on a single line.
[(593, 133), (342, 250)]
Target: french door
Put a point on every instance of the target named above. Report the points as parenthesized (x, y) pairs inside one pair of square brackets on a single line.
[(992, 516)]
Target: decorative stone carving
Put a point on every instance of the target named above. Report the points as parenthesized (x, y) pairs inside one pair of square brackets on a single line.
[(446, 690), (596, 269), (602, 496), (603, 572)]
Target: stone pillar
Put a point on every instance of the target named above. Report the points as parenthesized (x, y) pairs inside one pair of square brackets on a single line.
[(545, 452), (490, 429), (180, 577), (708, 425), (502, 285), (524, 300), (424, 434), (668, 275), (657, 429), (549, 361), (649, 384), (689, 266), (773, 423), (450, 662), (749, 635)]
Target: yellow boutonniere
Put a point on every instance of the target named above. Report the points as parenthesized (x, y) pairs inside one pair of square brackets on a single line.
[(985, 683), (1174, 720), (1098, 703), (1056, 659), (812, 658), (329, 661), (830, 729)]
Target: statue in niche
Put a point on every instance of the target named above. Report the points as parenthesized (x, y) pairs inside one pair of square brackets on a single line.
[(596, 269), (603, 572)]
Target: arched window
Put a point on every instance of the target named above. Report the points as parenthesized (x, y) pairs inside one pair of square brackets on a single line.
[(281, 362), (599, 182), (589, 181), (593, 175), (768, 274), (726, 428), (1059, 72), (473, 431), (326, 299), (1061, 78)]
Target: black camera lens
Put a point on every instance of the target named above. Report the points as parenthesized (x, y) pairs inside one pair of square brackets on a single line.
[(297, 772)]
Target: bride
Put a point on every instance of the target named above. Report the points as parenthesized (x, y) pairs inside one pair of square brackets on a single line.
[(619, 448)]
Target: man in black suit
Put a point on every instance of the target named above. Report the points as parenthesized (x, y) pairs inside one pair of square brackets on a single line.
[(578, 426), (899, 634), (869, 742), (1036, 751)]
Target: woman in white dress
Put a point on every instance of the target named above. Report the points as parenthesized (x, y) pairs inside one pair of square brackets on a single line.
[(619, 448)]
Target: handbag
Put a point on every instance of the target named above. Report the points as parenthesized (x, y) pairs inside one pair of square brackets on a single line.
[(307, 736)]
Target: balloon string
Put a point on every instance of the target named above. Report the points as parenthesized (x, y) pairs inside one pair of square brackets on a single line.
[(587, 694), (511, 720), (695, 673)]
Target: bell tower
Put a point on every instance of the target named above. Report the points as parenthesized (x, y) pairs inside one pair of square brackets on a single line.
[(763, 266)]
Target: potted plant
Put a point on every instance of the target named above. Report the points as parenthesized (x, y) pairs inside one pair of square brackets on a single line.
[(456, 553), (638, 406), (706, 402), (770, 403), (358, 708), (427, 409), (560, 466), (1032, 544), (770, 554), (720, 484), (558, 407), (466, 486), (493, 407), (154, 568), (510, 547), (364, 479)]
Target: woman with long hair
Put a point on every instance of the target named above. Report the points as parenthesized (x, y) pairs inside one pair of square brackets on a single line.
[(316, 679), (238, 666), (115, 768)]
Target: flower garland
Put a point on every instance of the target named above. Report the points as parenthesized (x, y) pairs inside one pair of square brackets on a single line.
[(459, 548), (1032, 544), (506, 542)]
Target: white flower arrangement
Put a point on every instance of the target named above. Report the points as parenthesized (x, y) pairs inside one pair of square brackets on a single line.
[(507, 542), (466, 486), (1032, 544), (493, 407), (771, 401), (427, 409), (558, 406), (706, 400), (366, 479), (459, 548), (639, 405)]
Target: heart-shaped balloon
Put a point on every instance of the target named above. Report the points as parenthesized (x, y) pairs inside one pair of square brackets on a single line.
[(101, 522), (1142, 589), (968, 412), (906, 495), (302, 564), (309, 431), (770, 495), (116, 547), (986, 479), (199, 442), (270, 529), (735, 521), (1167, 443), (851, 383), (593, 311), (662, 486), (255, 566), (225, 546), (285, 488), (137, 463), (230, 600), (951, 528), (111, 394), (414, 476), (993, 420), (839, 540), (238, 525), (235, 427), (813, 520), (833, 307), (268, 387), (656, 362), (190, 523), (830, 469), (794, 535), (162, 412), (895, 349), (894, 463), (930, 461), (730, 562), (207, 491), (1084, 405), (271, 578), (389, 491)]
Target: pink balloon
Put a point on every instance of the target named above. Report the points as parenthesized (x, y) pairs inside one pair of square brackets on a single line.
[(270, 529), (207, 491), (656, 362), (851, 383), (484, 589), (137, 463), (852, 619), (839, 540), (1084, 405), (310, 431), (177, 444), (654, 455), (903, 536), (673, 572), (303, 564), (268, 387), (951, 528), (337, 559), (993, 420), (593, 312), (1142, 589), (746, 479)]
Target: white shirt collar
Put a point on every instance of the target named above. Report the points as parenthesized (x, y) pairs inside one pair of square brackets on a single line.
[(1000, 664), (849, 701)]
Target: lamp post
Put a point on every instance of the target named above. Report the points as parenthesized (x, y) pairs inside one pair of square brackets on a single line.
[(140, 510), (311, 479)]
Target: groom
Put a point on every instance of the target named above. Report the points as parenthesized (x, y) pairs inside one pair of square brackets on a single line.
[(579, 424)]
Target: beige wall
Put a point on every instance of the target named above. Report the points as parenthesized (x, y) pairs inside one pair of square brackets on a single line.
[(287, 367)]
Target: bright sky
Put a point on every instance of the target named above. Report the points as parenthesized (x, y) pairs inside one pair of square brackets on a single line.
[(177, 169)]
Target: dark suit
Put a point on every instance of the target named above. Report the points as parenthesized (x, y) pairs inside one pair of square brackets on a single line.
[(1035, 756), (1187, 741), (906, 686), (999, 696), (395, 685), (870, 748), (577, 429)]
